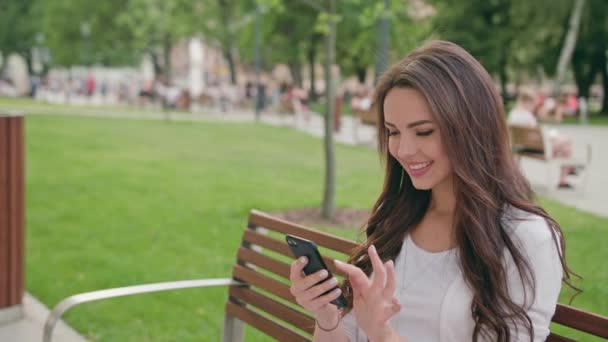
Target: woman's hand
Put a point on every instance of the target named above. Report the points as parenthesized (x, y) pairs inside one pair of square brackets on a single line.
[(374, 303), (308, 291)]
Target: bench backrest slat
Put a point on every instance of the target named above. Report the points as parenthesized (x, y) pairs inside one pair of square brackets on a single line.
[(264, 324), (274, 308), (580, 320), (556, 338), (260, 219), (261, 260), (262, 265), (258, 279), (527, 141)]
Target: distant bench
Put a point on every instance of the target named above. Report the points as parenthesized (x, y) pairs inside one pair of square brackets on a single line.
[(531, 142), (258, 292), (367, 117)]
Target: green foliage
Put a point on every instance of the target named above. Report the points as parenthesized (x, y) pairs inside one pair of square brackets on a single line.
[(18, 26), (91, 35)]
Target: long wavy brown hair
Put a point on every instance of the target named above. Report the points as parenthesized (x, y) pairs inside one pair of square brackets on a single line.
[(470, 116)]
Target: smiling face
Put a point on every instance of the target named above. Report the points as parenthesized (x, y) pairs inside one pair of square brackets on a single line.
[(414, 139)]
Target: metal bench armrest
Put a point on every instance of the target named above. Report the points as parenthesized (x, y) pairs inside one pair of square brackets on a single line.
[(87, 297)]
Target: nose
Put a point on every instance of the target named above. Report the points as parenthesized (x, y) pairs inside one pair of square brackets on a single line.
[(407, 148)]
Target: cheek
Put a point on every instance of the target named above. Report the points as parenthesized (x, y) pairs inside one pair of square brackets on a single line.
[(393, 147)]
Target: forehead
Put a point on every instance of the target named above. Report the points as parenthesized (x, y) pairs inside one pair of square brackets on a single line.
[(404, 105)]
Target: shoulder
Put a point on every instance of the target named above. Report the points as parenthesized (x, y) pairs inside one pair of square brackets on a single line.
[(527, 229)]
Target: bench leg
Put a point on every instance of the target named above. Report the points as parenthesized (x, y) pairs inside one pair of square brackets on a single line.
[(233, 330)]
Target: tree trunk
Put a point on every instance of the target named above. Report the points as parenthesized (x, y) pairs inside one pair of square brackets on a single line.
[(295, 68), (167, 58), (329, 206), (604, 73), (361, 72), (503, 78), (227, 40), (229, 56), (312, 54), (166, 73), (569, 45), (383, 27), (584, 76)]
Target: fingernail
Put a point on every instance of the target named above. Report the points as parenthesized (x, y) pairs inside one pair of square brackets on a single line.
[(323, 274), (337, 291), (302, 260), (337, 262), (333, 281)]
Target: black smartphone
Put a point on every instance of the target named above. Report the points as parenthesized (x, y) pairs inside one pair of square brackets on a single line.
[(302, 247)]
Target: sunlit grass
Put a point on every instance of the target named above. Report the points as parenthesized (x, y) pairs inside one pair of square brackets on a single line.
[(119, 202)]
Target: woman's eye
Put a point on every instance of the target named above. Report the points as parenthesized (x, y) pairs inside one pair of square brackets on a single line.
[(425, 133), (391, 133)]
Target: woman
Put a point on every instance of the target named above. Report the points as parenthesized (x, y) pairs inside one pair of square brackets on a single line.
[(457, 247)]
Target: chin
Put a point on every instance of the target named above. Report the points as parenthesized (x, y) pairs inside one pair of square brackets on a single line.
[(423, 185)]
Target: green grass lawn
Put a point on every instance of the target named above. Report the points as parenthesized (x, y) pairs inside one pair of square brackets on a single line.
[(120, 202), (595, 119)]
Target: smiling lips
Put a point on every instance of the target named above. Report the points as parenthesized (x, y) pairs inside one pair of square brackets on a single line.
[(418, 169)]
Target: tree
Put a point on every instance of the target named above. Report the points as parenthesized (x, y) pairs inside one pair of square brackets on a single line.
[(589, 55), (19, 27), (357, 40), (569, 44), (328, 207), (155, 27), (92, 34), (482, 28)]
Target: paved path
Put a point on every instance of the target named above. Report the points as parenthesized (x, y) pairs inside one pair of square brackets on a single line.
[(590, 198), (29, 328)]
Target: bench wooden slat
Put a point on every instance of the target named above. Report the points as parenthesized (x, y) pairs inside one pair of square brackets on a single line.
[(280, 247), (274, 308), (4, 214), (16, 210), (270, 264), (532, 155), (263, 324), (267, 242), (556, 338), (580, 320), (258, 279), (260, 219)]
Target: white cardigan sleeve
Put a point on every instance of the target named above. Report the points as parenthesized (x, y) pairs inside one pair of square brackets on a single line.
[(534, 238)]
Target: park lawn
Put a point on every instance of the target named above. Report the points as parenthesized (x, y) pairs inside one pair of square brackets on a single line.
[(595, 119), (115, 202)]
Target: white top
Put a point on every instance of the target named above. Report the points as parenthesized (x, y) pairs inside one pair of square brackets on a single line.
[(521, 117), (436, 301)]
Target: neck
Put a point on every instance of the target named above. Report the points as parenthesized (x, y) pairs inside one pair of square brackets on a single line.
[(443, 200)]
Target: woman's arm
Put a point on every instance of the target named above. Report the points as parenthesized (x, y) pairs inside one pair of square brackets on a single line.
[(543, 258)]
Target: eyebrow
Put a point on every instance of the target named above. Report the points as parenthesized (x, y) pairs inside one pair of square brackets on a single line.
[(410, 125)]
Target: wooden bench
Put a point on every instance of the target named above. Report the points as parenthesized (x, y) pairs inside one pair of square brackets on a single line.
[(12, 215), (531, 142), (260, 283), (367, 117)]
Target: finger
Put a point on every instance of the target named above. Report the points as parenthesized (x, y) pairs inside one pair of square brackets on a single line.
[(295, 272), (390, 278), (319, 302), (379, 278), (320, 289), (357, 278), (395, 308), (309, 281)]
